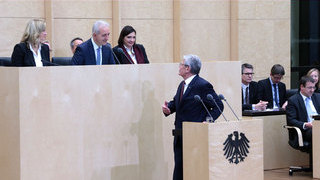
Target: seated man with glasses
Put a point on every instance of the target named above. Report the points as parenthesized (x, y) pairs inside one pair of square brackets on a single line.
[(249, 89), (272, 90), (302, 106)]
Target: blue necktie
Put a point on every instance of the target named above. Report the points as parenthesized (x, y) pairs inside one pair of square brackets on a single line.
[(98, 56), (309, 110), (276, 95)]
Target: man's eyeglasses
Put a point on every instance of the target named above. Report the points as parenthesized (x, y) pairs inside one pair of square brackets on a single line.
[(247, 74)]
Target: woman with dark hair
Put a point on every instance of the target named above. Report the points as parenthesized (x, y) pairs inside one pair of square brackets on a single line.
[(127, 51), (32, 50)]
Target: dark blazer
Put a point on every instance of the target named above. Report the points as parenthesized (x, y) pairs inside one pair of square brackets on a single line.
[(23, 56), (188, 109), (123, 58), (265, 92), (85, 55), (253, 96), (297, 113)]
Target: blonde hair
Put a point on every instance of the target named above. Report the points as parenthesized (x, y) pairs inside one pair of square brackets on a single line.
[(33, 30), (315, 70)]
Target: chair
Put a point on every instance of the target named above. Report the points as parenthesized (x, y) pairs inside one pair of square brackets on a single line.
[(5, 61), (291, 92), (296, 142), (63, 61)]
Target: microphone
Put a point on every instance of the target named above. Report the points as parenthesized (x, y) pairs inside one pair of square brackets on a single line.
[(50, 63), (109, 45), (221, 97), (197, 98), (121, 52), (210, 98)]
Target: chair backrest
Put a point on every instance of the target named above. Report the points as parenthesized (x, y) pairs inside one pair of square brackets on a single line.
[(291, 92), (5, 61), (63, 61)]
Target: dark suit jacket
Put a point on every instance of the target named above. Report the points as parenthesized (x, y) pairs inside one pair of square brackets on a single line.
[(22, 55), (265, 92), (123, 58), (191, 110), (253, 96), (297, 113), (85, 55)]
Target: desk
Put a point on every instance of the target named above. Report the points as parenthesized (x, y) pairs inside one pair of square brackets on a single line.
[(316, 147), (276, 151)]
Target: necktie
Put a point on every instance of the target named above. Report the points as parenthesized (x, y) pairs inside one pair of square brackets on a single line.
[(247, 95), (309, 110), (276, 95), (182, 90), (98, 56)]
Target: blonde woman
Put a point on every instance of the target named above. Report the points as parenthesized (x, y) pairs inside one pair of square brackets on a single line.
[(314, 73), (31, 51)]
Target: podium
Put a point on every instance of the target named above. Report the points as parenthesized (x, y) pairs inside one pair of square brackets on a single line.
[(206, 147), (316, 146), (93, 122)]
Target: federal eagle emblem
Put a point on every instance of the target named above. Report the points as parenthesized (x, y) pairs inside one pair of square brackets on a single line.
[(236, 149)]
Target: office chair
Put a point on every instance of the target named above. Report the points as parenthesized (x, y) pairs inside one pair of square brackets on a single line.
[(5, 61), (63, 61), (296, 142)]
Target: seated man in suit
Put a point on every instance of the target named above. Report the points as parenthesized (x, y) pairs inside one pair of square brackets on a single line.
[(94, 51), (272, 90), (302, 106), (249, 90)]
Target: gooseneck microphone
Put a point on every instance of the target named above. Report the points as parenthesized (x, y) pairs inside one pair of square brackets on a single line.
[(121, 52), (114, 55), (210, 98), (198, 98), (223, 98)]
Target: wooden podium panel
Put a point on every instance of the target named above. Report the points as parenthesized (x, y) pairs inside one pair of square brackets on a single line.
[(316, 148), (94, 122), (203, 150), (277, 153)]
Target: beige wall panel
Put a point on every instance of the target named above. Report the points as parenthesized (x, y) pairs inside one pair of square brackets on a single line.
[(205, 9), (11, 34), (209, 39), (263, 9), (281, 9), (9, 124), (156, 36), (258, 42), (67, 29), (22, 8), (82, 9), (142, 9)]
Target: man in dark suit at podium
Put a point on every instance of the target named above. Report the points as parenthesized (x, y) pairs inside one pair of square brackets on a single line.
[(94, 51), (249, 90), (187, 108), (272, 90), (302, 106)]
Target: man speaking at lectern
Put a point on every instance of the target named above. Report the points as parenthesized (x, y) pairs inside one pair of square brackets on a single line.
[(187, 107)]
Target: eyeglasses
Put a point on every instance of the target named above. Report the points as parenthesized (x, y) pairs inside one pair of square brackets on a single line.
[(311, 87), (248, 74)]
